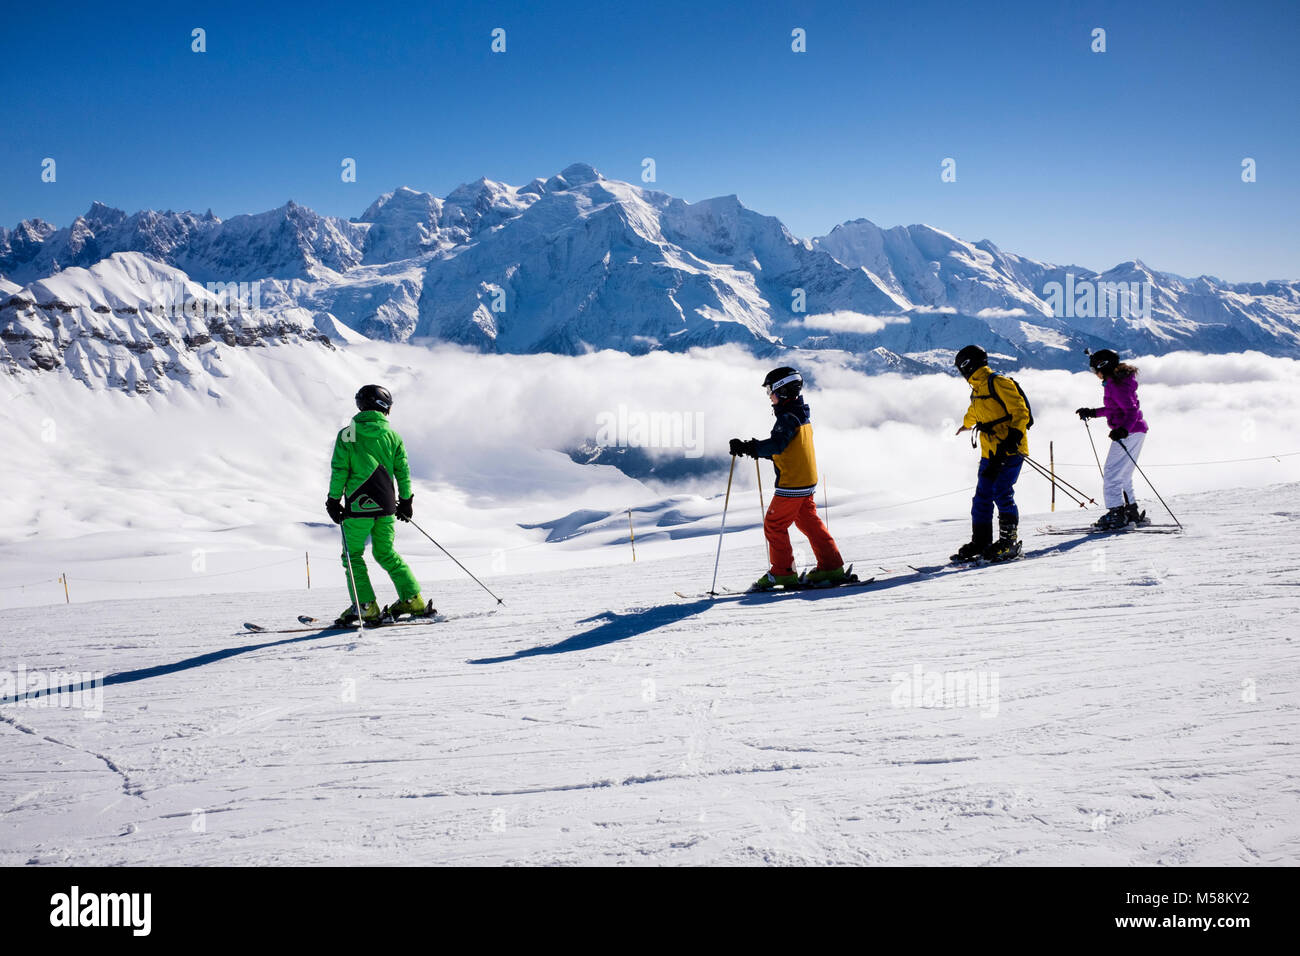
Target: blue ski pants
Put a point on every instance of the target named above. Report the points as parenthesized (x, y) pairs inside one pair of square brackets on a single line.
[(996, 485)]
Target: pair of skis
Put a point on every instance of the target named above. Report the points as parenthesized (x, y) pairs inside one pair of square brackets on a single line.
[(431, 616), (1021, 554), (1125, 529), (955, 566), (850, 582)]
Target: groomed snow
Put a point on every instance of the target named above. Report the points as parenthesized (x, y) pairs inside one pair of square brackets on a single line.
[(1144, 709), (1144, 712)]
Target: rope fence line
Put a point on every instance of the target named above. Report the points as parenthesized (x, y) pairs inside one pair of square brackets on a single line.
[(190, 576), (1193, 464), (917, 501), (15, 587)]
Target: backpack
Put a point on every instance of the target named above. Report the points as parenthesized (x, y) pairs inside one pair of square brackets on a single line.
[(1023, 396)]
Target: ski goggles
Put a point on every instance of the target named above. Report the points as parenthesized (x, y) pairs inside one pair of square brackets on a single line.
[(780, 383)]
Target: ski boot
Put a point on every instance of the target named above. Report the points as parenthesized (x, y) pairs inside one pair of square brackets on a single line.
[(1008, 546), (770, 582), (370, 614), (1134, 516), (828, 578), (413, 607), (1112, 520), (973, 550)]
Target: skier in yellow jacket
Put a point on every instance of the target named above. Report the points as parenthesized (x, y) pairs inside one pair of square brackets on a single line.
[(790, 446), (1000, 413)]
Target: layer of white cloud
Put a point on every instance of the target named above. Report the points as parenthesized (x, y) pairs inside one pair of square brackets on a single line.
[(844, 321)]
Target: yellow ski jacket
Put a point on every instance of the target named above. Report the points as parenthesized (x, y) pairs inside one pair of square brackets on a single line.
[(998, 407)]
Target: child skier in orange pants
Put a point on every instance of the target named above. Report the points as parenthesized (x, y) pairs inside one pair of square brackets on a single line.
[(790, 446)]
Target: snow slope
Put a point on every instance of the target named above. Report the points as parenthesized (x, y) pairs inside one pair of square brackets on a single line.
[(1144, 712)]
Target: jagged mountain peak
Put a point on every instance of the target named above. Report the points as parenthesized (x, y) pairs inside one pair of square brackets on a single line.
[(579, 174), (103, 214), (35, 229), (852, 225), (1137, 270), (573, 176), (403, 197), (469, 193)]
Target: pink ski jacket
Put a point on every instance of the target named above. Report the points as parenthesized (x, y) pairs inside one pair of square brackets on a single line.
[(1121, 406)]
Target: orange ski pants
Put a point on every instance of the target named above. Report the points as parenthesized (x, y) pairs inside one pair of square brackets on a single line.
[(802, 513)]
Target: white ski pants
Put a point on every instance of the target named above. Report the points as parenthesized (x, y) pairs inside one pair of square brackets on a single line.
[(1119, 470)]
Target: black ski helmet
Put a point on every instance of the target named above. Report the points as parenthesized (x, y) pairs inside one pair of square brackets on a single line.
[(374, 398), (1103, 360), (784, 382), (970, 360)]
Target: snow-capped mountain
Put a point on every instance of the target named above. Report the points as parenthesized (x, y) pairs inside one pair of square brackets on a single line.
[(131, 323), (1029, 304), (578, 262), (289, 242), (592, 262)]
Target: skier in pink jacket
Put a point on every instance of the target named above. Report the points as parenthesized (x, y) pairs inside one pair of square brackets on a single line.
[(1128, 432)]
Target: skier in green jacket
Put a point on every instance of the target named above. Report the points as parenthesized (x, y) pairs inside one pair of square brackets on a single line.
[(368, 456)]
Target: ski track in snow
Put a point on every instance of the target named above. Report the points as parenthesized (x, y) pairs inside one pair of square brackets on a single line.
[(1146, 714)]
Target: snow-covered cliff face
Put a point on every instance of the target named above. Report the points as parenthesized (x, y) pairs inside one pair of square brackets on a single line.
[(133, 324), (579, 262)]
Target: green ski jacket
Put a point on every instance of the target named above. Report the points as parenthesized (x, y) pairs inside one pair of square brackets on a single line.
[(368, 456)]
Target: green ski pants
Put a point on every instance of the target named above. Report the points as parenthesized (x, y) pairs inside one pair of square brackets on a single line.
[(381, 532)]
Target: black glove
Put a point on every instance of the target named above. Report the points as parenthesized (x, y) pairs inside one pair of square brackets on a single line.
[(1118, 434), (741, 447), (1085, 414), (1011, 444), (406, 509), (335, 509)]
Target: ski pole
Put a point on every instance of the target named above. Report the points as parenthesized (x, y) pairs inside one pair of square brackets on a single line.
[(352, 580), (1094, 450), (1055, 482), (1039, 468), (450, 555), (762, 507), (713, 591), (1148, 481), (1062, 483)]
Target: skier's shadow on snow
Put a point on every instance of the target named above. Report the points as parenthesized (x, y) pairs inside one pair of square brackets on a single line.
[(160, 670), (932, 571), (619, 627), (929, 572), (614, 627)]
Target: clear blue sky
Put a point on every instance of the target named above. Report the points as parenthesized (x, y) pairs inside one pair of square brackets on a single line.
[(1062, 154)]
